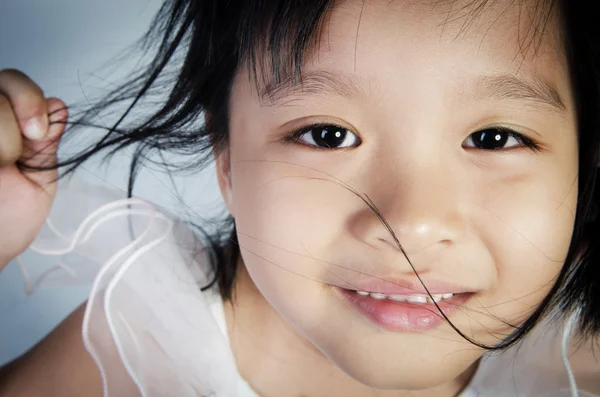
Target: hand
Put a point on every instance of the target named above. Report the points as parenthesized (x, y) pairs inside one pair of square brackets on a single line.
[(30, 129)]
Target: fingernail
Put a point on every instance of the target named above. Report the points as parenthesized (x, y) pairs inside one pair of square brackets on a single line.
[(34, 129)]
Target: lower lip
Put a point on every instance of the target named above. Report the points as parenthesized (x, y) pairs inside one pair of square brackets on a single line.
[(403, 316)]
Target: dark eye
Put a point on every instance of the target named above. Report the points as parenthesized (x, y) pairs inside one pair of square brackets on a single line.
[(497, 139), (327, 136)]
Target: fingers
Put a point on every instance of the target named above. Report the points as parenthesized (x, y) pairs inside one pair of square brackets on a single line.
[(27, 101), (36, 152), (11, 143), (23, 111), (30, 124), (43, 153), (57, 116)]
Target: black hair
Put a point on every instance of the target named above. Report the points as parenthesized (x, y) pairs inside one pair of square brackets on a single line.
[(205, 42)]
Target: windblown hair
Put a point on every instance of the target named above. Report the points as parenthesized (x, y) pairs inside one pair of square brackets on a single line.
[(198, 46)]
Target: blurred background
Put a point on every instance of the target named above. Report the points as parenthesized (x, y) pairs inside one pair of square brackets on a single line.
[(70, 48)]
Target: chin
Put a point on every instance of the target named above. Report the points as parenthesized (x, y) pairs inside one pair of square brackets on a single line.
[(402, 375)]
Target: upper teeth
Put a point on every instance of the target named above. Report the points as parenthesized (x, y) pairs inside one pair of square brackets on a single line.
[(407, 298)]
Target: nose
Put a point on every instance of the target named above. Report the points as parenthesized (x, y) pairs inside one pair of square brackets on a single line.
[(421, 208)]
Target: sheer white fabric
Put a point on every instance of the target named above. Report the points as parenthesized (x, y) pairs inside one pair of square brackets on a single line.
[(148, 326), (152, 332), (535, 368)]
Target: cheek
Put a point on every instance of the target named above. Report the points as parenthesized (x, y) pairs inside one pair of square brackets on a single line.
[(286, 216), (527, 228)]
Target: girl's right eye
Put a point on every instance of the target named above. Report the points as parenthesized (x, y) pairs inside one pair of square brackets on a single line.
[(327, 136)]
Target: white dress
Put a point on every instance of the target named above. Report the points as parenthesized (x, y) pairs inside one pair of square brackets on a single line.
[(151, 330)]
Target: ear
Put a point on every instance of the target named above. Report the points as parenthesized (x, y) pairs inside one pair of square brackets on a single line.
[(223, 165)]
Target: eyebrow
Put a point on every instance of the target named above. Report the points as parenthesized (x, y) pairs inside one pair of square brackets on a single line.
[(510, 87), (533, 90), (313, 83)]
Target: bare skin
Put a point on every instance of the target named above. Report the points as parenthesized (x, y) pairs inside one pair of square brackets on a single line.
[(57, 366)]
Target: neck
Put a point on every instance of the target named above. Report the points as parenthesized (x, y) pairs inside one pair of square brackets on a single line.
[(277, 361)]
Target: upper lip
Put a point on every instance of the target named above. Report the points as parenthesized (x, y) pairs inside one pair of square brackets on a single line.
[(402, 286)]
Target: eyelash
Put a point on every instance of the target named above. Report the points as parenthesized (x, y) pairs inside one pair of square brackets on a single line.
[(523, 141), (295, 136)]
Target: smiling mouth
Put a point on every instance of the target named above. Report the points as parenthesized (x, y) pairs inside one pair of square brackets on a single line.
[(404, 313)]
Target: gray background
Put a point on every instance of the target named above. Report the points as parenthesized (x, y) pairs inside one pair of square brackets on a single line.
[(64, 45)]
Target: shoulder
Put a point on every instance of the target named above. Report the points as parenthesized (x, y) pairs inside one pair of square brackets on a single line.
[(57, 366)]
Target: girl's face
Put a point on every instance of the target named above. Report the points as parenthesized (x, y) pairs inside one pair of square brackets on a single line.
[(411, 99)]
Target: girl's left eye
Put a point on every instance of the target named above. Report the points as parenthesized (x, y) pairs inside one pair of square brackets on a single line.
[(327, 136), (498, 138)]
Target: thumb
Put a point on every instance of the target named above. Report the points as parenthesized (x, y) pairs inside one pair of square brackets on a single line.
[(42, 153)]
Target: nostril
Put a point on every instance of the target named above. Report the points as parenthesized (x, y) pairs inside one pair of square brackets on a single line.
[(391, 242)]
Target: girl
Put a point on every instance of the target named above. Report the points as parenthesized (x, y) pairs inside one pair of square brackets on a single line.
[(412, 196)]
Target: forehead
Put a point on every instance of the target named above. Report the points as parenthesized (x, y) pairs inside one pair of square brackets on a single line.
[(374, 37), (509, 34)]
